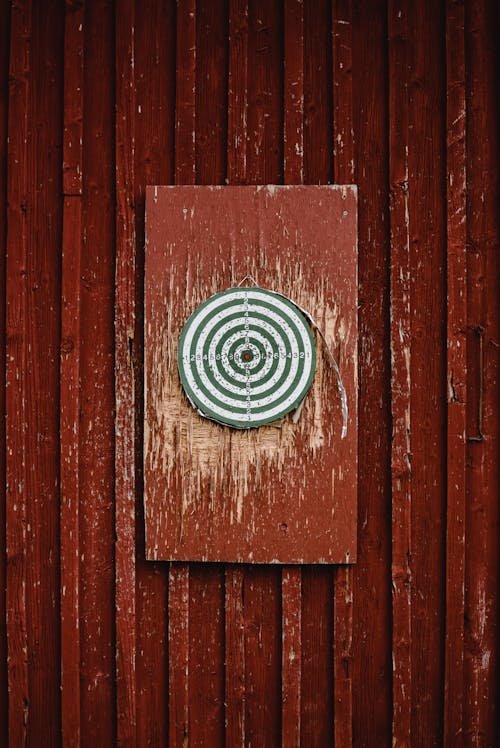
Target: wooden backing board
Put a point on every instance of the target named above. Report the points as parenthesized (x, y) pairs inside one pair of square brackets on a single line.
[(275, 494)]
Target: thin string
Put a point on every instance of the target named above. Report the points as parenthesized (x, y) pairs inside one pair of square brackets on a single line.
[(248, 278)]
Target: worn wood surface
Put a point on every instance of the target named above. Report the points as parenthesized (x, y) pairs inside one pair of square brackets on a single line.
[(53, 216), (273, 494)]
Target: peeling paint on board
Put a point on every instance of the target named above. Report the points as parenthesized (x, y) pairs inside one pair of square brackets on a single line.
[(243, 481)]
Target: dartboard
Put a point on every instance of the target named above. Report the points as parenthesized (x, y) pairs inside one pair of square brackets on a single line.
[(246, 357)]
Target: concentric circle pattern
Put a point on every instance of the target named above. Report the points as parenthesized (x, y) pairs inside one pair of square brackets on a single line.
[(246, 357)]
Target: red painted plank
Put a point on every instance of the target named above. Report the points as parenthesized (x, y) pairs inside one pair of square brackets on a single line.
[(343, 174), (427, 210), (97, 533), (260, 87), (207, 582), (125, 355), (372, 665), (178, 640), (235, 685), (318, 94), (483, 271), (206, 654), (262, 656), (32, 374), (212, 66), (237, 145), (293, 85), (317, 728), (185, 169), (4, 97), (70, 474), (317, 583), (154, 164), (401, 374), (16, 374), (291, 577), (237, 105), (264, 93), (291, 654), (185, 173), (70, 374), (456, 374), (73, 97)]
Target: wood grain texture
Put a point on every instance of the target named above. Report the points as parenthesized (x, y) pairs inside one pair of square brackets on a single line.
[(70, 478), (241, 113), (125, 387), (222, 505), (291, 577), (426, 206), (400, 311), (237, 145), (34, 224), (344, 173), (97, 509), (4, 122), (372, 662), (481, 688), (154, 60), (18, 185), (185, 173), (70, 373), (456, 172)]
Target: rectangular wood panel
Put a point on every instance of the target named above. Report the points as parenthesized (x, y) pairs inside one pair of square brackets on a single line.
[(283, 493)]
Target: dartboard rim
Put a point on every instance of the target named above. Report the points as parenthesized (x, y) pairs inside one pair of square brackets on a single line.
[(226, 421)]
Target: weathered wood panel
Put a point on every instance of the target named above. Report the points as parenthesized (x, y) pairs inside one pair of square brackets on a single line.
[(428, 79), (267, 495)]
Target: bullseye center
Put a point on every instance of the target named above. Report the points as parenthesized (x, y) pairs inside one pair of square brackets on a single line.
[(247, 356)]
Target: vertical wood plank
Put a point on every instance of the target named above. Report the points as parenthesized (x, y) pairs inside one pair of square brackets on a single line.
[(235, 657), (237, 106), (481, 658), (154, 62), (33, 362), (427, 210), (125, 355), (70, 484), (178, 640), (19, 126), (456, 373), (317, 726), (70, 374), (291, 656), (371, 665), (73, 97), (291, 577), (4, 98), (212, 66), (97, 527), (185, 164), (264, 165), (185, 173), (237, 137), (400, 322), (343, 174), (318, 94), (207, 581)]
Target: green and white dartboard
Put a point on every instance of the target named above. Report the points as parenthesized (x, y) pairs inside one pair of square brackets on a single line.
[(246, 357)]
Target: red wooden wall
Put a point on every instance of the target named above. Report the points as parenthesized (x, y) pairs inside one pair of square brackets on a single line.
[(99, 647)]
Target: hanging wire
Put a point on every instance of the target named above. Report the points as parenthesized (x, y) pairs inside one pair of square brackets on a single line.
[(248, 278)]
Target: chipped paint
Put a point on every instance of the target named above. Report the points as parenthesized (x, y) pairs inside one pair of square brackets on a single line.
[(214, 471)]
